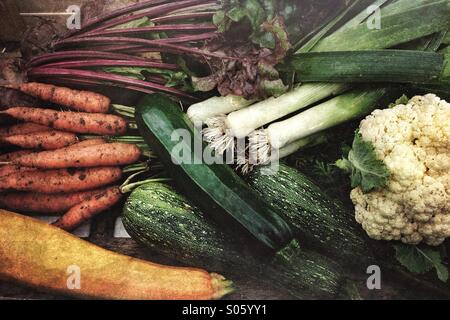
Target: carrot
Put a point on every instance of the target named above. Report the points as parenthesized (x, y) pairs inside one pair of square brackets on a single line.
[(78, 122), (33, 202), (12, 158), (74, 99), (23, 128), (62, 180), (13, 169), (48, 140), (103, 155), (39, 255), (7, 157), (86, 210), (86, 143)]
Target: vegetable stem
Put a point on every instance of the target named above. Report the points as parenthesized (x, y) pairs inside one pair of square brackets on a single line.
[(130, 187), (158, 44), (74, 64), (150, 29), (151, 13), (107, 77)]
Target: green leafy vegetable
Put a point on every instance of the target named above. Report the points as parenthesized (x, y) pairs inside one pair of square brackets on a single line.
[(254, 13), (421, 260), (132, 72), (402, 100), (245, 12), (365, 169), (138, 23), (254, 74), (177, 79)]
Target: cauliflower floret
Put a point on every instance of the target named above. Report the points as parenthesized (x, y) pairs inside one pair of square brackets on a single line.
[(413, 141)]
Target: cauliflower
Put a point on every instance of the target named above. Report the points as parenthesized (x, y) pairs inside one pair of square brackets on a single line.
[(412, 141)]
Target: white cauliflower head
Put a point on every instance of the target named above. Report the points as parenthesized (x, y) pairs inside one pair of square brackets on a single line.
[(413, 141)]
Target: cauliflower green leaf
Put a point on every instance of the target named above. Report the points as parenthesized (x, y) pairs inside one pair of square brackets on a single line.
[(402, 100), (365, 169), (421, 260)]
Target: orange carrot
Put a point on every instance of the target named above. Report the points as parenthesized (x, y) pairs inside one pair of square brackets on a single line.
[(88, 209), (78, 122), (62, 180), (13, 169), (48, 140), (7, 157), (103, 155), (74, 99), (31, 202), (12, 156), (86, 143), (23, 128)]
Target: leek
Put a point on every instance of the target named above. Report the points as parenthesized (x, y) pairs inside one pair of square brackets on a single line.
[(398, 28), (216, 106), (398, 66), (352, 105)]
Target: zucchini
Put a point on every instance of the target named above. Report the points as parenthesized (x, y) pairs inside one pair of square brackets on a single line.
[(317, 221), (215, 188), (161, 219)]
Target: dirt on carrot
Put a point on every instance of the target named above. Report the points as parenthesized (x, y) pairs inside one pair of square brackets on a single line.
[(102, 155), (86, 143), (11, 156), (78, 122), (13, 169), (23, 128), (47, 140), (74, 99), (32, 202), (88, 209), (61, 180)]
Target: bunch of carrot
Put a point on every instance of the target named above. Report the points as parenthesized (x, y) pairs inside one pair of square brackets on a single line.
[(55, 172)]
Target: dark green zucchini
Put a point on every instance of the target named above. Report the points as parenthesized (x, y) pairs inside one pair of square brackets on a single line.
[(215, 188), (318, 222), (159, 218)]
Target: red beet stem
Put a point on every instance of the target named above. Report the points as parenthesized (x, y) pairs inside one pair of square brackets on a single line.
[(152, 12), (89, 83), (114, 14), (110, 63), (184, 16), (144, 42), (105, 76), (160, 28), (79, 54)]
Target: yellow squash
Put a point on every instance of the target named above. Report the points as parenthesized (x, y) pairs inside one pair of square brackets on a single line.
[(45, 257)]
